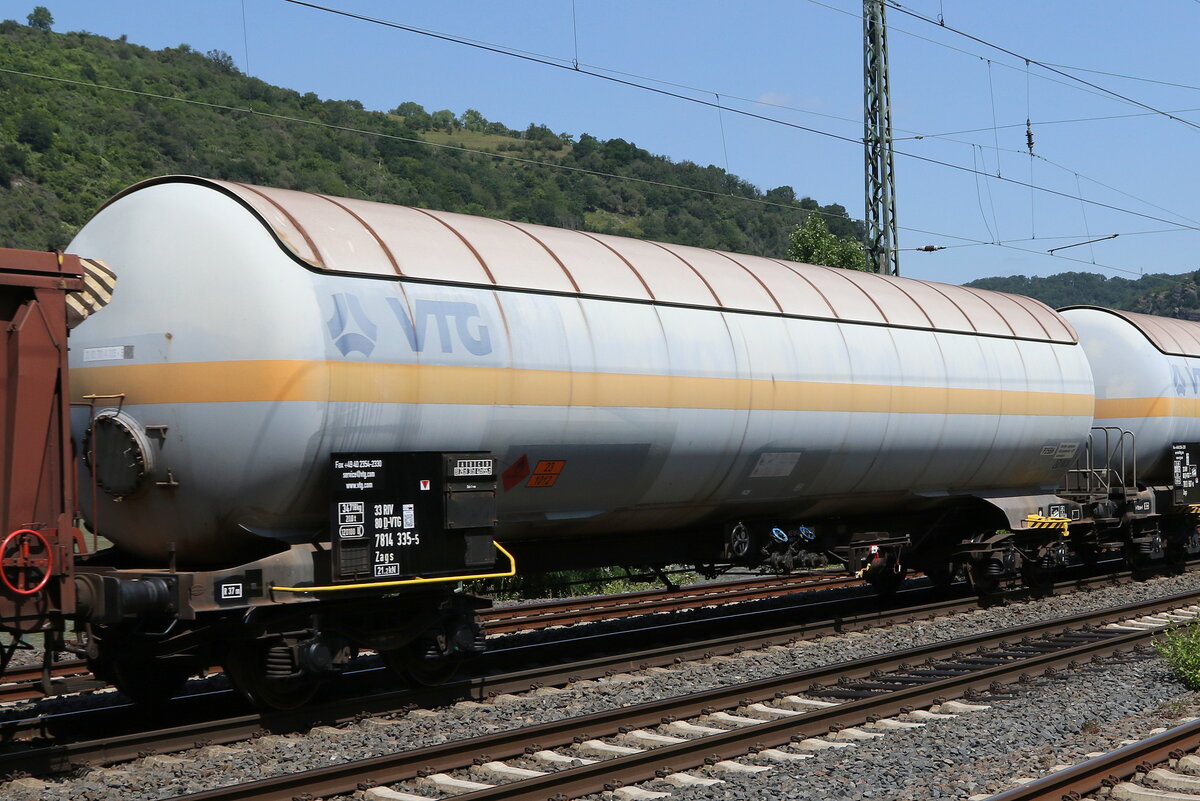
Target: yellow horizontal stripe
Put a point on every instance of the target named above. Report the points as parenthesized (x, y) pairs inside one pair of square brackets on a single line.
[(1117, 408), (368, 382)]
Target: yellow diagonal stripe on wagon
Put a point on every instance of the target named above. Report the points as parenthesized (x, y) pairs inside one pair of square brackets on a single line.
[(366, 382), (1116, 408)]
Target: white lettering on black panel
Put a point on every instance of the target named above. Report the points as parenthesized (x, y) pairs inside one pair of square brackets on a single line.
[(472, 467)]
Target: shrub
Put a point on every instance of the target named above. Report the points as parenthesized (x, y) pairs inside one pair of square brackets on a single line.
[(1180, 646), (36, 129)]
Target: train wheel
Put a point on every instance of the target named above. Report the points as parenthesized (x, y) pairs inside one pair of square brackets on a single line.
[(1088, 554), (1175, 553), (942, 569), (1038, 577), (249, 666), (1140, 561), (886, 579), (984, 578), (424, 662), (145, 682), (942, 575)]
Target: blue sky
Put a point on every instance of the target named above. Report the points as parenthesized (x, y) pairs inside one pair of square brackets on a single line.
[(802, 59)]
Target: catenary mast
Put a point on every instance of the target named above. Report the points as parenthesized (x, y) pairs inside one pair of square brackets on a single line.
[(882, 254)]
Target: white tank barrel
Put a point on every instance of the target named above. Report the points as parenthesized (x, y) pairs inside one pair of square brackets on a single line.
[(1147, 374), (623, 385)]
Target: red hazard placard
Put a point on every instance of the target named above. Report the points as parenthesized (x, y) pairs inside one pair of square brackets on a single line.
[(515, 473)]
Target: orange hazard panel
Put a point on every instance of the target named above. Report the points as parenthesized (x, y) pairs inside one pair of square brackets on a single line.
[(546, 472)]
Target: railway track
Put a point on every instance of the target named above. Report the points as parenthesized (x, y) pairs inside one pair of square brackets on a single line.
[(543, 614), (777, 718), (24, 683), (555, 663), (1158, 768)]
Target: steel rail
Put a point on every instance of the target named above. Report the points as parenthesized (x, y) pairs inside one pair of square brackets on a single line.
[(70, 667), (24, 683), (552, 670), (1109, 769), (17, 684), (21, 683), (738, 742), (507, 619), (606, 774)]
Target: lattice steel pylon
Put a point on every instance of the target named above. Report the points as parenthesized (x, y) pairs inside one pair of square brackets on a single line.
[(882, 255)]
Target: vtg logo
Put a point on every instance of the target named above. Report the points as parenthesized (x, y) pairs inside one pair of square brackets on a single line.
[(1185, 379), (454, 321), (349, 327)]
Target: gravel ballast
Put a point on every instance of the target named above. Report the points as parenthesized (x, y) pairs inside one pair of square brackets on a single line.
[(1045, 724), (1049, 724)]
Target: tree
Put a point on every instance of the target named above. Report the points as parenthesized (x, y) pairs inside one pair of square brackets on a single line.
[(813, 244), (223, 60), (409, 109), (472, 120), (781, 194), (13, 160), (586, 145), (41, 19), (36, 129), (444, 120), (414, 115)]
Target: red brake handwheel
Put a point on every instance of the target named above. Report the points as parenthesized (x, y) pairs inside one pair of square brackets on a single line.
[(19, 554)]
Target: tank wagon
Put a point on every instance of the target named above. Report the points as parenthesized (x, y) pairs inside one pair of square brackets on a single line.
[(1137, 480), (302, 420)]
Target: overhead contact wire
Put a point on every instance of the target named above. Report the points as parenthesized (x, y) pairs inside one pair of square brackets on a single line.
[(700, 101), (1049, 68), (576, 65)]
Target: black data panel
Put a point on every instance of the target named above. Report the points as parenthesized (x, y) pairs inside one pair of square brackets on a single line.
[(399, 515), (1186, 457)]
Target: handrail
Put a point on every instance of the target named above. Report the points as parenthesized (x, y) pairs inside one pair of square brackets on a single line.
[(1115, 470)]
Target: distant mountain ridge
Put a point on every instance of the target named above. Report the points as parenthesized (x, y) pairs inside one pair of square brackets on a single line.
[(67, 146), (1158, 293)]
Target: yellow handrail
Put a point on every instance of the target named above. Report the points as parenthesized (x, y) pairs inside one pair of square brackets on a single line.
[(512, 571)]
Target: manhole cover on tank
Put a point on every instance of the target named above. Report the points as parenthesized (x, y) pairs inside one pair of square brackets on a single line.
[(117, 455)]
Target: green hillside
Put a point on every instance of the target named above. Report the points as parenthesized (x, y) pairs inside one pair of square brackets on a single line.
[(67, 145), (1070, 289), (1159, 293)]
